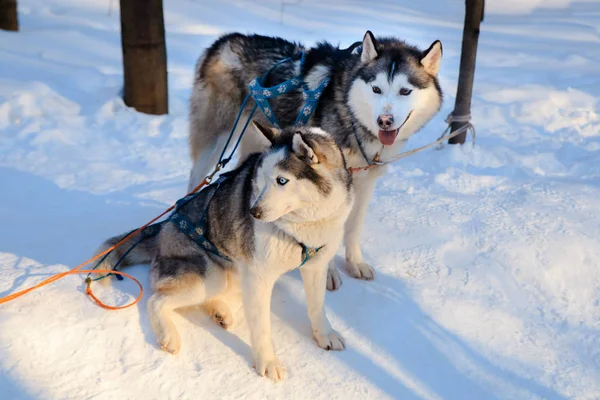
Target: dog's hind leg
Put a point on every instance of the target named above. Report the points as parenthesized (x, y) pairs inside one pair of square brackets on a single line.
[(210, 122), (220, 307), (206, 160), (208, 156), (208, 131), (173, 292), (214, 103), (219, 312)]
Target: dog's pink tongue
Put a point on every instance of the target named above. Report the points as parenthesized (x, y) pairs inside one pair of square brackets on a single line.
[(387, 138)]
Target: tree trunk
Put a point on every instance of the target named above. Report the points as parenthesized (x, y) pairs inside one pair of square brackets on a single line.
[(8, 15), (144, 55), (462, 106)]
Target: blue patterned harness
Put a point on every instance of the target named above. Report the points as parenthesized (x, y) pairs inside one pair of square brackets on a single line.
[(311, 97), (197, 232)]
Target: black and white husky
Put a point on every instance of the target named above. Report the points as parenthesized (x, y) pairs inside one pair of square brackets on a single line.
[(280, 209), (379, 94)]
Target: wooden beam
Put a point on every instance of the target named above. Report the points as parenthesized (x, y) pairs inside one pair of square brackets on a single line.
[(9, 20), (462, 106), (144, 56)]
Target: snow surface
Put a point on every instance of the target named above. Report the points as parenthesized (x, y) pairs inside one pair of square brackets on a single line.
[(487, 258)]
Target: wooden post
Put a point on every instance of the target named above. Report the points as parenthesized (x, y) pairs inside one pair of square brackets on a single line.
[(8, 15), (462, 106), (144, 56)]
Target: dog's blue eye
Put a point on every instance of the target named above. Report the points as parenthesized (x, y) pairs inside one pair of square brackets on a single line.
[(281, 181), (405, 92), (376, 90)]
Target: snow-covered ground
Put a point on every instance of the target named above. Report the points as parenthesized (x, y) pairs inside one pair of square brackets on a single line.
[(488, 281)]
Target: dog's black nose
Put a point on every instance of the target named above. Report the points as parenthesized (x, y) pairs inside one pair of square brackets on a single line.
[(256, 212), (385, 121)]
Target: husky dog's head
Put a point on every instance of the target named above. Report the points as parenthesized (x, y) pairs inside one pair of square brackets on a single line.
[(303, 177), (395, 91)]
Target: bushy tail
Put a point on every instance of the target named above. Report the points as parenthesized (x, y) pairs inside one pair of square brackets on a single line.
[(138, 249)]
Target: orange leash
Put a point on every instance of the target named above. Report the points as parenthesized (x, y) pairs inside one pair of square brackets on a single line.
[(78, 270)]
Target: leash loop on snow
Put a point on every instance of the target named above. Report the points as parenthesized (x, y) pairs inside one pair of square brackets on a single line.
[(88, 289)]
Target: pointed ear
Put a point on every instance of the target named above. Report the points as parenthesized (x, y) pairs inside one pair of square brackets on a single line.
[(300, 147), (369, 48), (270, 133), (432, 57)]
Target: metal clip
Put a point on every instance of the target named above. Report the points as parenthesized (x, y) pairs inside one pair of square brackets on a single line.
[(210, 176)]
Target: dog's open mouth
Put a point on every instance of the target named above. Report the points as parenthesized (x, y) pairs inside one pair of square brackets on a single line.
[(387, 138)]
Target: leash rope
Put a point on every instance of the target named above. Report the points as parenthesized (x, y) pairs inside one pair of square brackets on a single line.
[(445, 136), (78, 269)]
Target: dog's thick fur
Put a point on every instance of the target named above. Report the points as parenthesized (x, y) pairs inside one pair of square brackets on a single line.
[(379, 95), (298, 191)]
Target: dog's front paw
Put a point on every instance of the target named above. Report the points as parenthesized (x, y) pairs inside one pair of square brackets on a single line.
[(334, 280), (330, 341), (360, 270), (271, 368)]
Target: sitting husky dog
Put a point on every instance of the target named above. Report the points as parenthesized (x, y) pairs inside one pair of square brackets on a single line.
[(378, 96), (283, 208)]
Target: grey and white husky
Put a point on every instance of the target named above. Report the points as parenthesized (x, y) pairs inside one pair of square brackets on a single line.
[(280, 209), (380, 93)]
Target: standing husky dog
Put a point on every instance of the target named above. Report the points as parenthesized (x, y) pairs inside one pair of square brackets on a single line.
[(378, 96), (279, 210)]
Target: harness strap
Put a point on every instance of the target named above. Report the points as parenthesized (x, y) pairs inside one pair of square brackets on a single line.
[(353, 46), (146, 232), (311, 100), (362, 150), (197, 232), (308, 252), (261, 94)]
